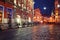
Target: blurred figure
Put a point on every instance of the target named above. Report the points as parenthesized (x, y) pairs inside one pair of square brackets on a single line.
[(9, 20), (18, 21)]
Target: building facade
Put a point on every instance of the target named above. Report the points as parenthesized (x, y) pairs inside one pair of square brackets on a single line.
[(37, 15), (26, 9), (57, 10), (12, 9), (5, 8)]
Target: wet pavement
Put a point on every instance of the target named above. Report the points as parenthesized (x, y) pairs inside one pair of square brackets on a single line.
[(37, 32)]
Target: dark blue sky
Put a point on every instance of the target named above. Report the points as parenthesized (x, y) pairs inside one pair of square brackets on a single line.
[(49, 4)]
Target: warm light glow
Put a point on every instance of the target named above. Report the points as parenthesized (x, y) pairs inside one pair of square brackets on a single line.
[(24, 7), (51, 19), (29, 19), (18, 19), (58, 5), (56, 16), (15, 2), (41, 21), (15, 7), (19, 4), (18, 16), (37, 17), (34, 17)]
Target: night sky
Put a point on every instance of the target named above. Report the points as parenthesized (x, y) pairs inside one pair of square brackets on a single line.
[(48, 5)]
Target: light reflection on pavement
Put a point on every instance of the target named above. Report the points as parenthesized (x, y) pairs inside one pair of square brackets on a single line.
[(39, 32)]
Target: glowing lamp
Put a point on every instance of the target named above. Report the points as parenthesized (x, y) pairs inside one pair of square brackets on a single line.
[(44, 8), (58, 5)]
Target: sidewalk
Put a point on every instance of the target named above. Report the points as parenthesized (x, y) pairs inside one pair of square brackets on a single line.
[(5, 26), (15, 33)]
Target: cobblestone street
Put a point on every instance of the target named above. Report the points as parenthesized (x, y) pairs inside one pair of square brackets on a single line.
[(39, 32)]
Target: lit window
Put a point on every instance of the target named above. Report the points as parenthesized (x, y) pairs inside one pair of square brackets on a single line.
[(15, 2)]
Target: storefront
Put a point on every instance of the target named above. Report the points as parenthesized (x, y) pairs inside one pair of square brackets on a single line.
[(9, 16), (1, 14), (6, 14)]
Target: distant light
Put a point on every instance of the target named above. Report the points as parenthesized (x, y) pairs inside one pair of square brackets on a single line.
[(44, 8), (58, 5), (33, 2), (15, 2), (41, 21), (29, 19)]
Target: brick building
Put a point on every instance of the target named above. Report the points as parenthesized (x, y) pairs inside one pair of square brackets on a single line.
[(5, 7), (37, 15), (57, 10), (9, 9)]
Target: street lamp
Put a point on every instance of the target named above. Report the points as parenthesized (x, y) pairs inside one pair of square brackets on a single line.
[(44, 8), (58, 5)]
